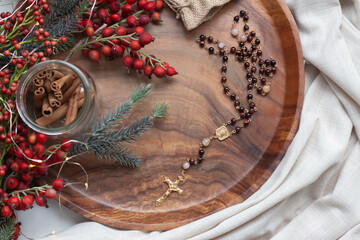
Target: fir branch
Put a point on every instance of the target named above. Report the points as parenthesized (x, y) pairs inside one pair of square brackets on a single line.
[(7, 229), (133, 131), (63, 7), (159, 111), (141, 93), (112, 119), (105, 141)]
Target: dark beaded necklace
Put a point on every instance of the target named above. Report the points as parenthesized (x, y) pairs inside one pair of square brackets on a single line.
[(257, 70)]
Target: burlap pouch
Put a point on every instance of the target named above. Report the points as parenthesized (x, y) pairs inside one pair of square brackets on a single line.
[(195, 12)]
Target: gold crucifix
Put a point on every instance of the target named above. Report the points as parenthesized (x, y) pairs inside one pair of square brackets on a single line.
[(173, 187)]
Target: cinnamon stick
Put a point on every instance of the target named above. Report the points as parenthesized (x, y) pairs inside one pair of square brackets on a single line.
[(39, 97), (54, 75), (38, 82), (71, 90), (74, 110), (52, 100), (56, 115), (66, 80), (42, 74), (46, 108), (69, 110), (58, 95)]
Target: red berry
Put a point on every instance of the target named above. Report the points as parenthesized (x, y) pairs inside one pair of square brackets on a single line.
[(14, 167), (130, 30), (58, 184), (159, 4), (149, 6), (107, 20), (6, 212), (87, 23), (42, 168), (106, 51), (24, 166), (115, 41), (96, 25), (16, 231), (107, 32), (159, 71), (13, 202), (114, 7), (63, 39), (60, 154), (41, 201), (12, 183), (102, 14), (131, 21), (141, 3), (120, 31), (117, 51), (139, 30), (145, 39), (171, 71), (28, 153), (17, 46), (138, 64), (32, 139), (95, 45), (27, 201), (144, 19), (94, 55), (127, 9), (50, 193), (148, 70), (85, 52), (41, 138), (89, 31), (128, 61), (55, 159), (27, 177), (22, 186), (135, 45), (39, 149), (5, 197), (115, 17), (156, 17)]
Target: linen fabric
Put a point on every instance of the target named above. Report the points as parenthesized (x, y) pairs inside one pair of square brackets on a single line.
[(193, 13), (315, 191)]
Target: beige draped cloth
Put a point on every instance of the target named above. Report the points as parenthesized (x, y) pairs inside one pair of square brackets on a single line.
[(315, 191)]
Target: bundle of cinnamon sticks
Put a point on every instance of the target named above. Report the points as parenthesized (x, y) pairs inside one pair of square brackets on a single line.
[(56, 96)]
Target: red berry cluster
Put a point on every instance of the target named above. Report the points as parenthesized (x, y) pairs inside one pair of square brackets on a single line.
[(17, 26), (24, 163), (115, 30)]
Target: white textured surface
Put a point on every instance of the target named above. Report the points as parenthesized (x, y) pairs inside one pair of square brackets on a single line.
[(314, 193)]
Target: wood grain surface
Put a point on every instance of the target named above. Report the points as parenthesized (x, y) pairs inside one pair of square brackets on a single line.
[(235, 168)]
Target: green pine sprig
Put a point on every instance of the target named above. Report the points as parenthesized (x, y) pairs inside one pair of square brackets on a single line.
[(159, 111), (7, 229), (107, 134)]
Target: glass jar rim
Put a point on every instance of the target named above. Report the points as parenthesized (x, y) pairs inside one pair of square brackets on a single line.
[(27, 77)]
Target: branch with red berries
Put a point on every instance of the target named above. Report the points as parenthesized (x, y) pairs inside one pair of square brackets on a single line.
[(116, 30)]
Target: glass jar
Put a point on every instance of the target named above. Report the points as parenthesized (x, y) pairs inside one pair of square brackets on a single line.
[(28, 106)]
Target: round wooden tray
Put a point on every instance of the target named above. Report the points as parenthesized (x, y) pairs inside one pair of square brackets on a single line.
[(235, 168)]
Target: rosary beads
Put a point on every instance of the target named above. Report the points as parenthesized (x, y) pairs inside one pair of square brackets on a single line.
[(248, 53)]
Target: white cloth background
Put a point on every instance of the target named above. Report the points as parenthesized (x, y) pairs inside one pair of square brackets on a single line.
[(315, 191)]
